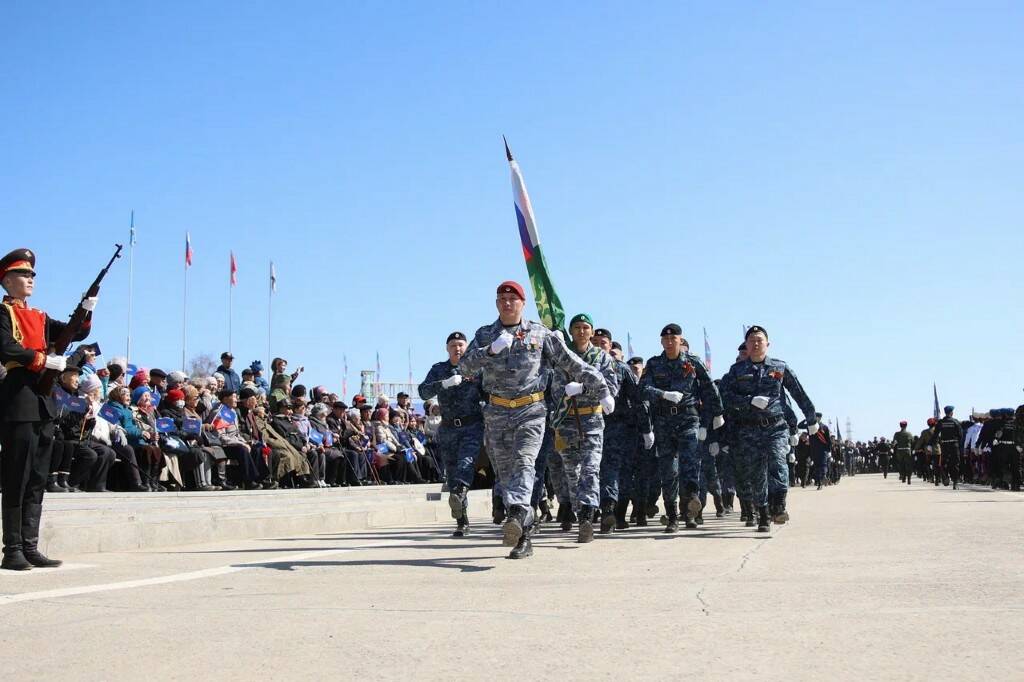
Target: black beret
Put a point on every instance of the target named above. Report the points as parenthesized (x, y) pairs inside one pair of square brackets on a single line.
[(19, 260), (339, 405), (455, 336), (157, 374), (616, 345), (672, 329), (226, 354), (601, 331), (246, 393), (753, 330)]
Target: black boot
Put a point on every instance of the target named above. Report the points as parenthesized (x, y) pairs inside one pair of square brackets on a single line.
[(763, 523), (744, 512), (497, 510), (750, 523), (586, 518), (222, 474), (545, 510), (64, 480), (462, 530), (515, 525), (457, 500), (779, 513), (607, 517), (30, 516), (727, 499), (620, 515), (671, 518), (14, 559), (719, 505), (523, 548), (52, 485), (641, 517)]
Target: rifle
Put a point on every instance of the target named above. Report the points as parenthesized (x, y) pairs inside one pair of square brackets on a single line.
[(59, 345)]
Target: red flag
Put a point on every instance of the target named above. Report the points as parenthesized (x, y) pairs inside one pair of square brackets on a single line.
[(234, 270), (188, 250)]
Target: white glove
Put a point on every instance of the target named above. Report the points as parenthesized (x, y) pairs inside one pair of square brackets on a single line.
[(560, 335), (608, 404), (791, 459), (812, 428), (501, 343), (56, 362), (759, 401), (573, 388), (648, 440), (725, 448), (713, 449), (794, 439), (672, 396), (90, 303), (702, 434), (718, 422), (453, 380)]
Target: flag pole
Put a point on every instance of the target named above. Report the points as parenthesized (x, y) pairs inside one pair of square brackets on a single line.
[(184, 315), (131, 283), (270, 312), (231, 297)]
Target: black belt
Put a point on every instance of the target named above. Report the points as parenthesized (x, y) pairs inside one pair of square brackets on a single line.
[(459, 422), (1003, 442), (763, 422), (675, 410)]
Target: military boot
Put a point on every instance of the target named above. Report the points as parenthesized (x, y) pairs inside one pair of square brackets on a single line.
[(671, 519), (52, 486), (763, 522), (641, 517), (727, 499), (523, 548), (586, 519), (462, 530), (719, 505), (565, 517), (457, 500), (514, 526), (607, 517), (750, 522), (545, 510), (497, 510), (620, 515), (779, 513), (31, 514), (744, 511)]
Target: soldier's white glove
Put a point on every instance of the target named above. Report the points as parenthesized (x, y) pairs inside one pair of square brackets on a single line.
[(702, 434), (759, 401), (453, 380), (812, 428), (725, 449), (718, 422), (672, 396), (608, 404), (791, 459), (648, 440), (90, 303), (794, 439), (501, 343), (560, 335), (573, 388), (714, 449), (56, 362)]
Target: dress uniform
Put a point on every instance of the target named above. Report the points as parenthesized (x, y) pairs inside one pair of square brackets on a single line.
[(26, 418), (950, 436)]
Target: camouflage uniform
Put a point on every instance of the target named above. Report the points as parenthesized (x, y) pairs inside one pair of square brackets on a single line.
[(761, 437), (676, 425), (581, 450), (462, 429), (622, 447), (515, 379)]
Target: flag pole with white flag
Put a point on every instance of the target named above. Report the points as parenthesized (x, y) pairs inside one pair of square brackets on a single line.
[(270, 317), (231, 291), (131, 287), (184, 300), (549, 307)]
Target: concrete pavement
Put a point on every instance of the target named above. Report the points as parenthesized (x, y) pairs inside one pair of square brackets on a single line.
[(872, 579)]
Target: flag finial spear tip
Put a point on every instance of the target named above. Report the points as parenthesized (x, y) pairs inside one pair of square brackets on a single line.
[(508, 152)]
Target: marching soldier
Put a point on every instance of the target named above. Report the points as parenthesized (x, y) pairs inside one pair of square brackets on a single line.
[(462, 426), (26, 418), (950, 435), (512, 356)]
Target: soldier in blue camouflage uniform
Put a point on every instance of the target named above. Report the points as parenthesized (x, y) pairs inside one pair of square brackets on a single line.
[(674, 382), (624, 430), (753, 391), (462, 425), (726, 465), (579, 424), (511, 356)]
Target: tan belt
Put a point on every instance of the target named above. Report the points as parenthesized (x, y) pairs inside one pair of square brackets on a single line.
[(521, 401), (584, 411)]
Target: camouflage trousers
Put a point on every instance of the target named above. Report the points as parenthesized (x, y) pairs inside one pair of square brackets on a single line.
[(708, 481), (726, 469), (581, 457), (618, 461), (544, 459), (459, 449), (675, 438), (513, 438), (756, 451)]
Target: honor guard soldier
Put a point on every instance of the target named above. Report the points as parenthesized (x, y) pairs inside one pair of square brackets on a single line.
[(675, 383), (754, 391), (462, 425), (26, 418), (951, 436), (512, 357)]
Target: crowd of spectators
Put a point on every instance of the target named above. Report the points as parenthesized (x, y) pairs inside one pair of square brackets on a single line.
[(150, 430)]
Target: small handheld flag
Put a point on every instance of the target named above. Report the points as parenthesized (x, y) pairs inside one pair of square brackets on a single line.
[(707, 350), (224, 418), (382, 448), (410, 456), (191, 425), (165, 425), (273, 278), (315, 437), (234, 270), (110, 413)]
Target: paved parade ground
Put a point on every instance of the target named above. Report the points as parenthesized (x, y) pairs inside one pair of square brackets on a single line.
[(872, 579)]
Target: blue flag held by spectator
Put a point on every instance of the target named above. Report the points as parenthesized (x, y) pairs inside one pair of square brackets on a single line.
[(315, 437), (382, 448), (191, 425), (165, 425), (410, 456), (110, 413)]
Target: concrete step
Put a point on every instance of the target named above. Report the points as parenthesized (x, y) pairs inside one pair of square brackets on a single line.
[(79, 523)]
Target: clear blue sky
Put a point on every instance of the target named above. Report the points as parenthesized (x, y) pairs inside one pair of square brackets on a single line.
[(848, 176)]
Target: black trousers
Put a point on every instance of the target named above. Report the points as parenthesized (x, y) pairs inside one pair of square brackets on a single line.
[(24, 464), (242, 454)]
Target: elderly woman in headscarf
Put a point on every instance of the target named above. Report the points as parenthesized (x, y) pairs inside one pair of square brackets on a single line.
[(120, 436), (175, 406), (147, 447)]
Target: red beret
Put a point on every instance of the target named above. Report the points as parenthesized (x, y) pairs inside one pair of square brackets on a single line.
[(510, 287)]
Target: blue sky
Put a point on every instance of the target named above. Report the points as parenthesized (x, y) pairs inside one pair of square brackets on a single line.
[(846, 174)]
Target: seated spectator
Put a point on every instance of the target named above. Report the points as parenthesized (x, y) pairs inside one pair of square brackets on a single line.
[(225, 421), (157, 385), (253, 434), (184, 445), (75, 464), (117, 436), (148, 454), (345, 426), (282, 426), (288, 463)]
